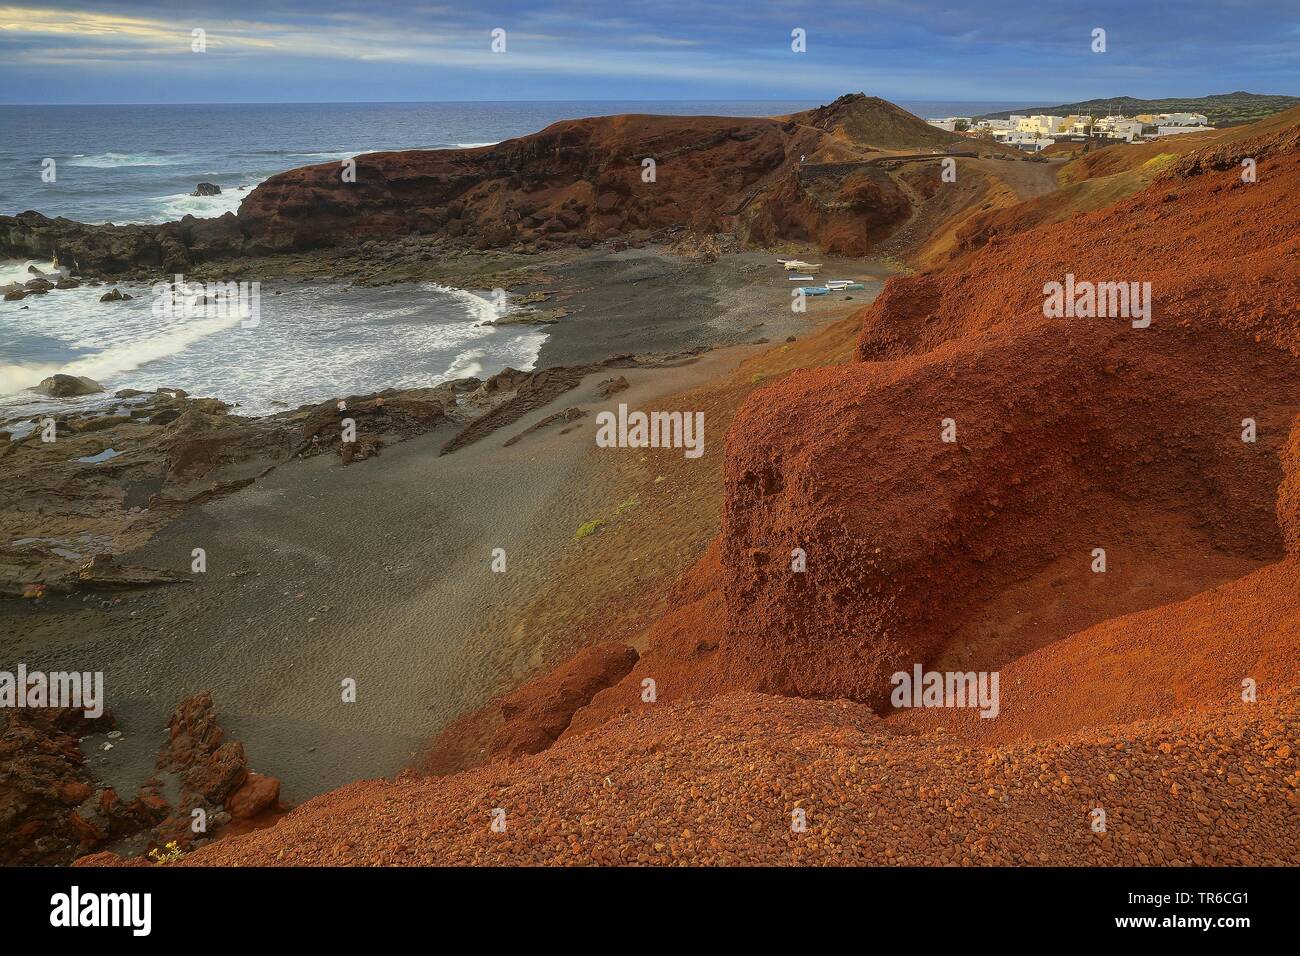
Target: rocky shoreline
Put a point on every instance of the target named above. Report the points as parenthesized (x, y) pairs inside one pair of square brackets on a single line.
[(201, 786), (575, 235)]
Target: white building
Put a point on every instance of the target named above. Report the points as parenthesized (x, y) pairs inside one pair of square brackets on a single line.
[(1182, 119), (951, 123), (1175, 130), (1030, 142)]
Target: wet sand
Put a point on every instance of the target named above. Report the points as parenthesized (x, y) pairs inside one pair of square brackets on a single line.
[(381, 571)]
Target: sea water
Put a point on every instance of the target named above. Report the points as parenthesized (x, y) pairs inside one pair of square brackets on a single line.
[(139, 164)]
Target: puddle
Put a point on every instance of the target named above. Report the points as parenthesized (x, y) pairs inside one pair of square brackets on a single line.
[(104, 455)]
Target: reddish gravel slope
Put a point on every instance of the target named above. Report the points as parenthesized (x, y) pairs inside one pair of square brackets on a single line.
[(718, 782)]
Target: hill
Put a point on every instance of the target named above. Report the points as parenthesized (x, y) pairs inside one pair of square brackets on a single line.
[(1221, 109), (803, 178), (870, 121)]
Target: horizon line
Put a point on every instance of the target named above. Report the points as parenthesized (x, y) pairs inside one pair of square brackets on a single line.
[(666, 99)]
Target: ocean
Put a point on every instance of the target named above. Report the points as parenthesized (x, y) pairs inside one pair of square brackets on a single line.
[(138, 164)]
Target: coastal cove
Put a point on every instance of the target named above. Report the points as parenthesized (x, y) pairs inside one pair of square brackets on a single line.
[(607, 478)]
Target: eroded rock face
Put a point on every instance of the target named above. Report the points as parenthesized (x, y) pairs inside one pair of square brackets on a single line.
[(1067, 433), (50, 808), (110, 250), (1288, 493), (257, 794), (213, 774), (67, 386), (538, 712), (576, 182)]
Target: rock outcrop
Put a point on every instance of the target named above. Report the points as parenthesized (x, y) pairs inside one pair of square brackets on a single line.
[(808, 177), (980, 456), (540, 711), (50, 807), (67, 386)]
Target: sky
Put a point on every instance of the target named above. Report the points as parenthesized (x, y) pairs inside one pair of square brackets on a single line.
[(86, 51)]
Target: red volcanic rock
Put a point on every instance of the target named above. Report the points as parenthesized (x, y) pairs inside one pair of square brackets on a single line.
[(809, 176), (258, 793), (1070, 432), (586, 180), (578, 177), (210, 769), (1288, 493), (716, 783), (539, 711), (195, 733), (42, 783), (214, 777)]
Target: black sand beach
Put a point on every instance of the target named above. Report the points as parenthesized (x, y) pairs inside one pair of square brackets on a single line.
[(382, 571)]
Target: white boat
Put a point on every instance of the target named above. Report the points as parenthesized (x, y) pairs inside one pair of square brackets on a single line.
[(794, 265), (800, 278)]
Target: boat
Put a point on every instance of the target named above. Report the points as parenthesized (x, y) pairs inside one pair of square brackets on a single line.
[(801, 278), (844, 285), (795, 265), (815, 290)]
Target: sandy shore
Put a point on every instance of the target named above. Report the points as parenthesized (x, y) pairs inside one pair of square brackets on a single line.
[(381, 571)]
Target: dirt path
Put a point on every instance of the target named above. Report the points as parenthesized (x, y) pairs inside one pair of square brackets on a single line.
[(1027, 180)]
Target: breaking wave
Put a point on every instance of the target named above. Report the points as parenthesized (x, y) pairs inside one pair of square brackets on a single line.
[(116, 160)]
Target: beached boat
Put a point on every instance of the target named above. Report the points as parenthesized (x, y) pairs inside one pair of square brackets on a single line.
[(801, 278), (815, 290), (795, 265)]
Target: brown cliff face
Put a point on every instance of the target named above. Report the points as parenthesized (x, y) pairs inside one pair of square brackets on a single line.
[(581, 181), (808, 177), (577, 180), (1071, 434)]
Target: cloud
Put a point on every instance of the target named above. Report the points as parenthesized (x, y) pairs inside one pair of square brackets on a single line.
[(654, 48)]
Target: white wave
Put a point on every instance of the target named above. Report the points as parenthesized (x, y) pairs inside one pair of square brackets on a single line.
[(15, 270), (347, 154), (465, 364), (115, 160), (474, 145), (17, 376), (203, 207), (484, 310), (118, 358)]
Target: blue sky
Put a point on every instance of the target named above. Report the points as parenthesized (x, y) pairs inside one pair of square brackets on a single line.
[(385, 50)]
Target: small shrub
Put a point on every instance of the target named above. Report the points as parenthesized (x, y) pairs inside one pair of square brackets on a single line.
[(169, 853)]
